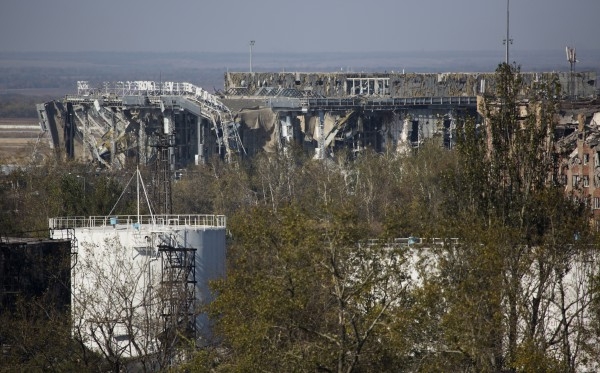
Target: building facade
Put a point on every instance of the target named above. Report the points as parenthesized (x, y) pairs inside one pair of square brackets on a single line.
[(580, 165)]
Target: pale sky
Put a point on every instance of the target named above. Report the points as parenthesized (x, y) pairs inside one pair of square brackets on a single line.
[(295, 26)]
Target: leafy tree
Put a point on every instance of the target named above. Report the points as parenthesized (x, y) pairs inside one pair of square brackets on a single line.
[(517, 233), (314, 299)]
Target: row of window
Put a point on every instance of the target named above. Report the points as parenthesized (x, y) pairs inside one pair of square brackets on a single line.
[(595, 202), (584, 179), (586, 159)]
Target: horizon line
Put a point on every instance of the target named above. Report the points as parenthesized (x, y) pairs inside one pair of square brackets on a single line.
[(295, 52)]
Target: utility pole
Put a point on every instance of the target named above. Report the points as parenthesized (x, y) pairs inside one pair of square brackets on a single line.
[(85, 127), (251, 45), (572, 58), (113, 143), (508, 40)]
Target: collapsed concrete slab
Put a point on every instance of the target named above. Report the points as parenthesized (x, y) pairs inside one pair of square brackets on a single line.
[(322, 113)]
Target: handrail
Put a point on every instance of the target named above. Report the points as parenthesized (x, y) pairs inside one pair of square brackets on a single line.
[(147, 88), (135, 221), (401, 101)]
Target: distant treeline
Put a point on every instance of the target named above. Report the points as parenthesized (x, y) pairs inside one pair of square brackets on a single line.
[(35, 77), (20, 106)]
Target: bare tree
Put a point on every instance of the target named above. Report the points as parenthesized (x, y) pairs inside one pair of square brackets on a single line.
[(115, 304)]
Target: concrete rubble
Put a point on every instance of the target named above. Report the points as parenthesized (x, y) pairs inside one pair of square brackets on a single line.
[(322, 113)]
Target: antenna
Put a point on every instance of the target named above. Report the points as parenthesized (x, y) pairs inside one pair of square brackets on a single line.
[(139, 182), (508, 40), (572, 58), (251, 45), (165, 141)]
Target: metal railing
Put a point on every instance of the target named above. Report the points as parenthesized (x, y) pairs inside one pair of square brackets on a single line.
[(144, 88), (135, 221), (423, 101), (369, 103)]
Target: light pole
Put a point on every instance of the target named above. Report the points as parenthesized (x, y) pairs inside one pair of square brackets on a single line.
[(571, 57), (508, 40), (251, 45)]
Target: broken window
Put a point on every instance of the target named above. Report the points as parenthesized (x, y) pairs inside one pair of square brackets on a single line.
[(562, 179), (586, 158), (414, 133), (575, 180)]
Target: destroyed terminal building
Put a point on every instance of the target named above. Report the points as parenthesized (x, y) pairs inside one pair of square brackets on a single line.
[(130, 122)]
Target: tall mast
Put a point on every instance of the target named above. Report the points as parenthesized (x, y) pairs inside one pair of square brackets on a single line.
[(251, 45), (137, 177), (508, 40)]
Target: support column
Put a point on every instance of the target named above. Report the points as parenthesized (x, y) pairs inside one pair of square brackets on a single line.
[(320, 152)]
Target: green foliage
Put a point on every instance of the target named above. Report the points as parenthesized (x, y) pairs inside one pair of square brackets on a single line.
[(30, 197), (20, 106), (511, 157), (517, 233), (308, 292)]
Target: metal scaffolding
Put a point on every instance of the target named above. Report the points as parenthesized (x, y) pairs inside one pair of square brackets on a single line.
[(178, 281), (162, 175)]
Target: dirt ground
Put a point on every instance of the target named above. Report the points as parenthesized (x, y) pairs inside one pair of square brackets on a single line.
[(18, 139)]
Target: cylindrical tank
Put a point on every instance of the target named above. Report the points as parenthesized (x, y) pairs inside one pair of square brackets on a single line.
[(131, 274)]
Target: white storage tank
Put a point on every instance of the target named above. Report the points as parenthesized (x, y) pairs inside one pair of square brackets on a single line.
[(138, 282)]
